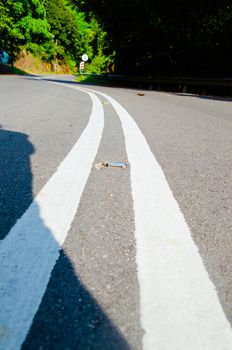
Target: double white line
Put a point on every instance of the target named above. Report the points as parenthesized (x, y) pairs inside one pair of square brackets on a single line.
[(179, 304)]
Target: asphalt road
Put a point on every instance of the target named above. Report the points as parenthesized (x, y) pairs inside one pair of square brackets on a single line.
[(95, 296)]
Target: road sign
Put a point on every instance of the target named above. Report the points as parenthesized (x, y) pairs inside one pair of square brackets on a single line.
[(85, 57), (82, 65), (111, 68)]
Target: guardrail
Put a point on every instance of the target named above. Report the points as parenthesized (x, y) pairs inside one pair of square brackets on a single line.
[(183, 84)]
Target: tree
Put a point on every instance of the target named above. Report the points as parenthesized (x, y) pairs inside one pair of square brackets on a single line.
[(23, 23), (10, 37), (63, 26), (167, 37)]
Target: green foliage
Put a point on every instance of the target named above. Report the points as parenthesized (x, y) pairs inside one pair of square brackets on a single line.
[(97, 65), (63, 24), (149, 37), (75, 34), (23, 23), (10, 37), (93, 41), (34, 30), (53, 30), (167, 37)]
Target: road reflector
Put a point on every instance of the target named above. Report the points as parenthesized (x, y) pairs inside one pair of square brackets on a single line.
[(110, 68)]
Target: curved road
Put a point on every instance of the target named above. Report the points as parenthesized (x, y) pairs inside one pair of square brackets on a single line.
[(134, 258)]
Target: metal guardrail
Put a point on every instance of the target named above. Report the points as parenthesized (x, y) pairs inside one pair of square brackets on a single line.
[(157, 83), (178, 81)]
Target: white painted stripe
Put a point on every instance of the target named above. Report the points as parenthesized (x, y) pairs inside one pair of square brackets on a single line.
[(29, 252), (180, 309)]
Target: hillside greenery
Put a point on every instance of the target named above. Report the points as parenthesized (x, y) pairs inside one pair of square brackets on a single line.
[(163, 37), (55, 31), (143, 37)]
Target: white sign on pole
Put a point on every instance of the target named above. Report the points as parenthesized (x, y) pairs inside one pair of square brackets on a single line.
[(82, 66), (85, 57)]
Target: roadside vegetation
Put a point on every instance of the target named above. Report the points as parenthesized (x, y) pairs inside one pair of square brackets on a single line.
[(167, 38), (142, 37), (51, 36)]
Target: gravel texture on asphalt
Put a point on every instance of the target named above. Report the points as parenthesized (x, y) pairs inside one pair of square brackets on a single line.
[(92, 300), (191, 138)]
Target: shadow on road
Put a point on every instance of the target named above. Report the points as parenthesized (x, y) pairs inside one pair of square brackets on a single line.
[(204, 97), (69, 80), (68, 316), (15, 177), (115, 85)]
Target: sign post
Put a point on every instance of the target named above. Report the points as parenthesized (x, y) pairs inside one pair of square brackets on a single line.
[(85, 57), (82, 64), (110, 68)]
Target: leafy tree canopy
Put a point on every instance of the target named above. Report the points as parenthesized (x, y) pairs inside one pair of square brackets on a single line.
[(53, 30), (167, 37)]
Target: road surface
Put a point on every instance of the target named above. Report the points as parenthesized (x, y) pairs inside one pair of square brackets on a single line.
[(111, 258)]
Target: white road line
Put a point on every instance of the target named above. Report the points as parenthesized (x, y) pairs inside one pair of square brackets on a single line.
[(29, 252), (180, 309)]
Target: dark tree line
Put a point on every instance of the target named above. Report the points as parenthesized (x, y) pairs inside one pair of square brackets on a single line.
[(163, 37), (149, 37)]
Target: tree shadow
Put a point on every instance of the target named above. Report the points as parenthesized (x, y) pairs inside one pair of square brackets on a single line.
[(204, 97), (6, 69), (81, 84), (65, 314), (70, 318), (113, 83)]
